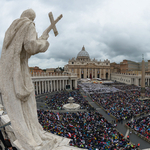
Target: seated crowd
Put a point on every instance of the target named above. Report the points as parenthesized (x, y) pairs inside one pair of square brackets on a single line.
[(127, 87), (122, 105), (141, 125), (56, 101), (88, 130), (91, 88)]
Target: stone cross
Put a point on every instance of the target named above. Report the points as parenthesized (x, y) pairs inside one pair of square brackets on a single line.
[(52, 26), (53, 23)]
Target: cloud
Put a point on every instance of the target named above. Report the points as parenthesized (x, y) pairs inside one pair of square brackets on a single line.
[(113, 30)]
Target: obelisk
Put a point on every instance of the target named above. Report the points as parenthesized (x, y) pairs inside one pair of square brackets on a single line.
[(143, 79)]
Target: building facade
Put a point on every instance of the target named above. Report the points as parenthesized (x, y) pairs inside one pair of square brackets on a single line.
[(85, 67), (131, 67), (114, 67), (50, 70), (35, 69), (46, 82), (130, 78)]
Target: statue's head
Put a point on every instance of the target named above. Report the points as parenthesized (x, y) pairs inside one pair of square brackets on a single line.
[(29, 13)]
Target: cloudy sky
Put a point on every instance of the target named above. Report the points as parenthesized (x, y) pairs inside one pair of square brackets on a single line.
[(109, 29)]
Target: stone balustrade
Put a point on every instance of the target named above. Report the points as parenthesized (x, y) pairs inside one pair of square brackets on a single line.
[(53, 74)]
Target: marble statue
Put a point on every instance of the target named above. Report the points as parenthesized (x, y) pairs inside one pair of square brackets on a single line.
[(20, 43)]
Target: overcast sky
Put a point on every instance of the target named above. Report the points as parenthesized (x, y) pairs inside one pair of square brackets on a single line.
[(109, 29)]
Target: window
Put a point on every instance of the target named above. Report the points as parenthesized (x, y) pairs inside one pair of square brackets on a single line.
[(72, 62)]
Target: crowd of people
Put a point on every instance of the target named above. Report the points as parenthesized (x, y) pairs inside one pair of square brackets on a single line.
[(91, 88), (88, 130), (56, 101), (126, 87), (141, 125), (121, 101), (122, 105)]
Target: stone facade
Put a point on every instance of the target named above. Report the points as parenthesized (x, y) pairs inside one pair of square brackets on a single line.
[(49, 82), (35, 70), (131, 67), (85, 67), (50, 70), (114, 67), (130, 78)]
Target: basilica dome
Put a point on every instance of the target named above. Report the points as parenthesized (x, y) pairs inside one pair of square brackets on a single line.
[(83, 53)]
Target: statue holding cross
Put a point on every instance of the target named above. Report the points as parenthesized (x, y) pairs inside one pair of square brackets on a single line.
[(20, 43)]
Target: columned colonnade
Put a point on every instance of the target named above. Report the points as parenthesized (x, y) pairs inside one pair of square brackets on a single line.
[(130, 79), (44, 84), (103, 73)]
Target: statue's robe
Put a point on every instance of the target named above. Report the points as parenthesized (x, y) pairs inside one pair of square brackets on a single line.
[(16, 86)]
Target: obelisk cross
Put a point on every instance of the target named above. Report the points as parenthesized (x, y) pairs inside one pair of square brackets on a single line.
[(52, 26)]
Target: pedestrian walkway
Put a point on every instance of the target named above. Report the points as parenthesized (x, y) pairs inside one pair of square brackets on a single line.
[(120, 126)]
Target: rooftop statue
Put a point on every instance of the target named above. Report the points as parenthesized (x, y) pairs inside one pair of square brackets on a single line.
[(18, 95)]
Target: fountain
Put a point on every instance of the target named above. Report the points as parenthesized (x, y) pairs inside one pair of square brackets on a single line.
[(71, 105)]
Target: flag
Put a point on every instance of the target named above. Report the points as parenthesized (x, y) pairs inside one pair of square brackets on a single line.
[(70, 125), (69, 134)]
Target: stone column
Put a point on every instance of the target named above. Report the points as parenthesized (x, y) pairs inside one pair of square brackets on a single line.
[(54, 85), (143, 79), (100, 74), (37, 88), (70, 84), (108, 73), (57, 85), (63, 84), (40, 87), (95, 73), (104, 73), (75, 83), (48, 86), (51, 85), (60, 84), (85, 73), (88, 73), (79, 73), (45, 86)]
